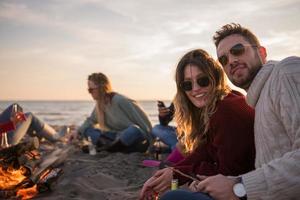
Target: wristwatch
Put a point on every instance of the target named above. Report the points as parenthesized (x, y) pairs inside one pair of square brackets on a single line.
[(239, 189)]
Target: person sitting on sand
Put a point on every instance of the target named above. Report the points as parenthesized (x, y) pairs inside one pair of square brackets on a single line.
[(163, 131), (167, 133), (121, 122), (17, 124), (213, 122)]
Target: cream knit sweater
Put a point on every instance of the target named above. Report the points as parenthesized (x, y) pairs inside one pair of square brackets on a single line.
[(275, 94)]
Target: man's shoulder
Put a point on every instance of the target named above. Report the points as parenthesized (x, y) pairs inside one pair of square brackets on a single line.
[(288, 65), (284, 76)]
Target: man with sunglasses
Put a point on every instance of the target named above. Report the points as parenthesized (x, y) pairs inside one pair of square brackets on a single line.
[(273, 89)]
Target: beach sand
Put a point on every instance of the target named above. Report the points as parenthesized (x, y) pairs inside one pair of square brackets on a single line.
[(107, 176)]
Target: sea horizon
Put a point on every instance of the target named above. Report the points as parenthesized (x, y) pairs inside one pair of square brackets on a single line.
[(47, 100), (72, 112)]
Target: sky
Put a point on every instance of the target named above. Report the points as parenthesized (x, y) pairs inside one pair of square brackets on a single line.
[(49, 47)]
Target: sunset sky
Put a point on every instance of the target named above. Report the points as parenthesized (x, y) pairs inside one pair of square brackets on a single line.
[(49, 47)]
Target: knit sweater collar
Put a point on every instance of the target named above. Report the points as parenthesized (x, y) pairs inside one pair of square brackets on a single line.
[(258, 83)]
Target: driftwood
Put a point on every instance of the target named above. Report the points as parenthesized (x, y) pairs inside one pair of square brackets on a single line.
[(11, 156), (20, 148), (48, 179), (53, 160)]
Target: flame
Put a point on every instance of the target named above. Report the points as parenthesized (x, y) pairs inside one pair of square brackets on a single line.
[(11, 177), (27, 193)]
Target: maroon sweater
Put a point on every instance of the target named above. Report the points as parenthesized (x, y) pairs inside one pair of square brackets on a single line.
[(231, 151)]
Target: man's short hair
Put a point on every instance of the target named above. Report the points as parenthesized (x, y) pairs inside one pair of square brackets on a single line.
[(234, 28)]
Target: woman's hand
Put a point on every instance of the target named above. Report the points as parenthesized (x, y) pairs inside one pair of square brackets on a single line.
[(157, 184), (147, 192), (163, 111)]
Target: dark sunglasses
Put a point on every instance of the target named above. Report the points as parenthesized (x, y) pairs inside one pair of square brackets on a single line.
[(188, 85), (236, 50), (90, 90)]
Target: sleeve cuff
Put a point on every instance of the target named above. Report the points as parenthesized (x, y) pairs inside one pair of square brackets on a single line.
[(255, 184)]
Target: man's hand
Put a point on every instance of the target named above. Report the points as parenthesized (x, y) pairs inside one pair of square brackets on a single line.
[(160, 182), (219, 187)]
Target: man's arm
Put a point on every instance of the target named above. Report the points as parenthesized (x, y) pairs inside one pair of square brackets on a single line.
[(280, 178)]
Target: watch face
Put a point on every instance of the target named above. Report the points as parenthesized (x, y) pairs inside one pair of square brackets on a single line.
[(239, 190)]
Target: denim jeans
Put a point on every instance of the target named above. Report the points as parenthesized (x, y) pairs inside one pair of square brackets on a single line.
[(128, 136), (185, 195), (167, 134)]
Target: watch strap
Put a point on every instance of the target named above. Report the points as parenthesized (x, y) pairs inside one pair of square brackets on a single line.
[(240, 180)]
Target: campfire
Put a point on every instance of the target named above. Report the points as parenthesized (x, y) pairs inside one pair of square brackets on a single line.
[(24, 173), (11, 183)]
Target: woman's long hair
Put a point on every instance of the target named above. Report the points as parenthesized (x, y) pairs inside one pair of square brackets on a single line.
[(193, 122), (104, 90)]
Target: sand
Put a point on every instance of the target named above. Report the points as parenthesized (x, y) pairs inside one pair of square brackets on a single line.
[(107, 176)]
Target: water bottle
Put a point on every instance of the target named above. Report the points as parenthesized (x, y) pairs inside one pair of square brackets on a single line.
[(92, 149), (157, 149), (174, 184), (4, 142)]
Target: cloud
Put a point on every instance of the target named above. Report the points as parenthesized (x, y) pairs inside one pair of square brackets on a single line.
[(283, 43), (133, 41)]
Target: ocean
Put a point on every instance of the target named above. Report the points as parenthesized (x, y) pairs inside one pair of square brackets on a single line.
[(72, 112)]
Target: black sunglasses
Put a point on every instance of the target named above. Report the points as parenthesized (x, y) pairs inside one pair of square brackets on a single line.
[(236, 50), (188, 85)]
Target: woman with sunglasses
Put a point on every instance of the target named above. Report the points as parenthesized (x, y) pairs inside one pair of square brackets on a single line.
[(213, 122), (121, 123)]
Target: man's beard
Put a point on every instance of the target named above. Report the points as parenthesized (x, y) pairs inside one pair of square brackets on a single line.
[(245, 84)]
